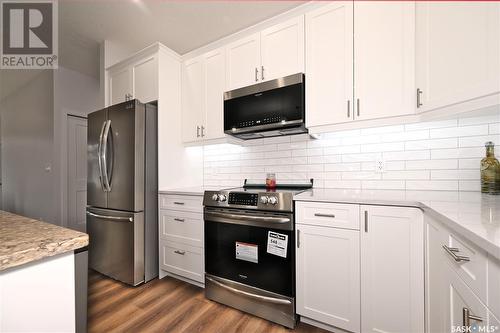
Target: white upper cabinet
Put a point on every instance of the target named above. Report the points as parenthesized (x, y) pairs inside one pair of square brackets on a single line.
[(192, 99), (392, 269), (243, 62), (137, 79), (282, 49), (120, 85), (145, 74), (329, 64), (203, 84), (458, 52), (384, 58), (272, 53), (215, 82)]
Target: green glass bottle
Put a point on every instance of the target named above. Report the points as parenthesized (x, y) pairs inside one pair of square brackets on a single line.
[(490, 171)]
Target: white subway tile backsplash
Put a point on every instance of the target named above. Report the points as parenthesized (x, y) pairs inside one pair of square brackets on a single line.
[(436, 155)]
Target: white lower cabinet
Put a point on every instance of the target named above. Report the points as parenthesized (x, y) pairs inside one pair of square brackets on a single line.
[(392, 269), (461, 297), (181, 243), (328, 292), (368, 280)]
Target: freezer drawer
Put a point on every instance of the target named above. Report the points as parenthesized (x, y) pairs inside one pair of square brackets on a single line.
[(116, 245)]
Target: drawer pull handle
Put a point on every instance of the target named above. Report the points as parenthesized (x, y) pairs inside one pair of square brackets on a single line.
[(179, 220), (452, 251), (324, 215), (467, 317), (178, 203), (180, 252)]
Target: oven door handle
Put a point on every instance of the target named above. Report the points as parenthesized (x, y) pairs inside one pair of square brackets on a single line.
[(251, 295), (216, 217)]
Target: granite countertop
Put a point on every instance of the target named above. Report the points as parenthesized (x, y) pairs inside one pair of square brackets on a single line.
[(472, 215), (197, 190), (23, 240)]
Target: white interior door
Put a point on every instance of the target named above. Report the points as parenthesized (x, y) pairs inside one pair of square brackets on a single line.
[(384, 58), (77, 172)]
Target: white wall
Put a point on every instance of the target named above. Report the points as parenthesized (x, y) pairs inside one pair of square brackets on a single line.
[(438, 155), (27, 128), (74, 94)]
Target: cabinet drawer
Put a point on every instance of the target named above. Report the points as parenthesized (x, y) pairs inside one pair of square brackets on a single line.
[(183, 260), (328, 214), (494, 286), (474, 271), (182, 227), (186, 203)]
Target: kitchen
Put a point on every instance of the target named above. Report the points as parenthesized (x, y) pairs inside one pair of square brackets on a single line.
[(267, 166)]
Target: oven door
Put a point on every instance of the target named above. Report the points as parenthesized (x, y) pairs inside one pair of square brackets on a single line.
[(254, 248)]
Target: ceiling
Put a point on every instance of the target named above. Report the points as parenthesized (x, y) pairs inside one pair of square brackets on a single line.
[(181, 25)]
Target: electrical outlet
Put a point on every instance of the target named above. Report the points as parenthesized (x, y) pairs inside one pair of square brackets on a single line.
[(380, 166)]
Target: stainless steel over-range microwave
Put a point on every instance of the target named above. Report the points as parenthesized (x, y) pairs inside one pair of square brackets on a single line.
[(266, 109)]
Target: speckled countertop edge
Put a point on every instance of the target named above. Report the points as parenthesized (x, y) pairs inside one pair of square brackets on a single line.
[(24, 240)]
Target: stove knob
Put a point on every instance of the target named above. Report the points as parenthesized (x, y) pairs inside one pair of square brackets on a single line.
[(264, 200), (273, 200), (222, 197), (215, 197)]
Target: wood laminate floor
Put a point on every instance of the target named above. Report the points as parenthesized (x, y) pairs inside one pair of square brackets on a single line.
[(167, 305)]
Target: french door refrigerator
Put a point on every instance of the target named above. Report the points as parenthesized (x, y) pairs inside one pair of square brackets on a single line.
[(122, 187)]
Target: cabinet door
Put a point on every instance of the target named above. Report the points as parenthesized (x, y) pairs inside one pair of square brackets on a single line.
[(243, 62), (215, 79), (329, 64), (192, 99), (392, 262), (282, 49), (328, 276), (460, 298), (384, 57), (458, 51), (145, 74), (120, 85)]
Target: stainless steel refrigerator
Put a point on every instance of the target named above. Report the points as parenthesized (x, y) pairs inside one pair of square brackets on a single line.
[(122, 187)]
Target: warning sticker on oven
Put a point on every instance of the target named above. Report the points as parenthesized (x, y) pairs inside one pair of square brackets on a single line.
[(247, 252), (277, 244)]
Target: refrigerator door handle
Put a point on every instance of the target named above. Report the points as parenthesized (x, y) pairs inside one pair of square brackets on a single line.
[(106, 175), (99, 156), (114, 218)]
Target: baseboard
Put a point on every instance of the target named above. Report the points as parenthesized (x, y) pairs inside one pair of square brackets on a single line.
[(182, 278), (321, 325)]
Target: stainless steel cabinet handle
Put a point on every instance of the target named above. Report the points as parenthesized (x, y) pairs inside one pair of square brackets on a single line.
[(348, 108), (324, 215), (197, 131), (467, 317), (262, 72), (452, 251), (298, 238), (245, 293), (180, 252), (357, 106), (366, 221), (178, 203), (179, 220), (115, 218), (419, 94), (202, 131), (256, 74)]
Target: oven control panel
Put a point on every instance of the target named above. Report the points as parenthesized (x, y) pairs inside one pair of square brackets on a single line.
[(243, 199)]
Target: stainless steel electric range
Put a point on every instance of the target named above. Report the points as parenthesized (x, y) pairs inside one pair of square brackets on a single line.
[(250, 250)]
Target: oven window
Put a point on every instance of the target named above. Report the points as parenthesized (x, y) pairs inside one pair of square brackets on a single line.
[(268, 107), (240, 253)]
